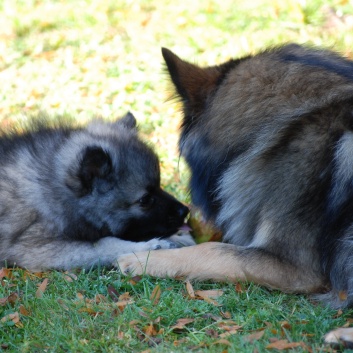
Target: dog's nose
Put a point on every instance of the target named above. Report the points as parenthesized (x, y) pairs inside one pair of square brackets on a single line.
[(182, 211)]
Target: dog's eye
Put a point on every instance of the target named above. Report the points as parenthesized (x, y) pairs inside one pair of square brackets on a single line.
[(146, 201)]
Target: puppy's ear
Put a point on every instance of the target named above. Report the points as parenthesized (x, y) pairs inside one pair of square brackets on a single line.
[(128, 120), (94, 163)]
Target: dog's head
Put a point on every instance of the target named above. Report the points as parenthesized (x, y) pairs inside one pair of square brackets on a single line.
[(115, 179), (196, 88)]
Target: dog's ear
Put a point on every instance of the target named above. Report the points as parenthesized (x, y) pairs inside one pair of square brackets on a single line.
[(128, 120), (193, 83), (94, 163)]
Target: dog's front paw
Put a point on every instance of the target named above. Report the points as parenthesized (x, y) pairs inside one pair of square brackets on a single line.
[(341, 337), (133, 264)]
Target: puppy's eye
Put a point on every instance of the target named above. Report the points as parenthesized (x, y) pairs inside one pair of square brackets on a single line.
[(146, 201)]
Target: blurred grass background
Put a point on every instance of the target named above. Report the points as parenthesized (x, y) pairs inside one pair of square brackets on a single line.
[(102, 58)]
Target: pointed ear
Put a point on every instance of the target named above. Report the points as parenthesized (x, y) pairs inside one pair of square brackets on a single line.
[(193, 83), (94, 163), (128, 121)]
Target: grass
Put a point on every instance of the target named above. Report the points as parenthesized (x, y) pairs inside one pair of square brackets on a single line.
[(102, 57)]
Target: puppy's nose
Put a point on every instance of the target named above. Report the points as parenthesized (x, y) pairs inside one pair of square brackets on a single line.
[(182, 211)]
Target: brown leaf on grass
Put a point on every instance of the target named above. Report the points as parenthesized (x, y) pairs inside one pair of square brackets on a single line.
[(254, 336), (212, 293), (113, 293), (69, 277), (239, 288), (284, 344), (286, 325), (32, 275), (226, 314), (135, 280), (156, 294), (177, 343), (190, 289), (90, 311), (63, 305), (181, 323), (15, 318), (10, 299), (208, 295), (211, 316), (121, 335), (121, 304), (125, 296), (5, 272), (229, 333), (230, 327), (212, 333), (100, 298), (150, 330), (41, 288), (24, 311), (222, 341), (80, 296)]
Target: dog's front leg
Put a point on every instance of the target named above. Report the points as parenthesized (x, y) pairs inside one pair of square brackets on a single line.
[(222, 262)]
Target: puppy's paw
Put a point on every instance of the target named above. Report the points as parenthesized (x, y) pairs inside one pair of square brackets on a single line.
[(157, 244), (181, 240), (341, 337)]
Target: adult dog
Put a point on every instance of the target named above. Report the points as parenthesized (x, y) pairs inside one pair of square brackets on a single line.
[(269, 141)]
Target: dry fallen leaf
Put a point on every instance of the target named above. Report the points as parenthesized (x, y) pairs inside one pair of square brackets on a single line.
[(135, 280), (254, 336), (222, 341), (23, 311), (125, 296), (150, 330), (121, 304), (190, 289), (41, 288), (89, 311), (230, 327), (5, 272), (113, 293), (284, 344), (69, 277), (15, 318), (226, 314), (181, 323), (212, 293), (239, 288), (156, 294), (177, 343), (100, 298), (80, 296), (208, 295)]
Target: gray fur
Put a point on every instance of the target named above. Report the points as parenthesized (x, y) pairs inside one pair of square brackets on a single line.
[(68, 196)]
